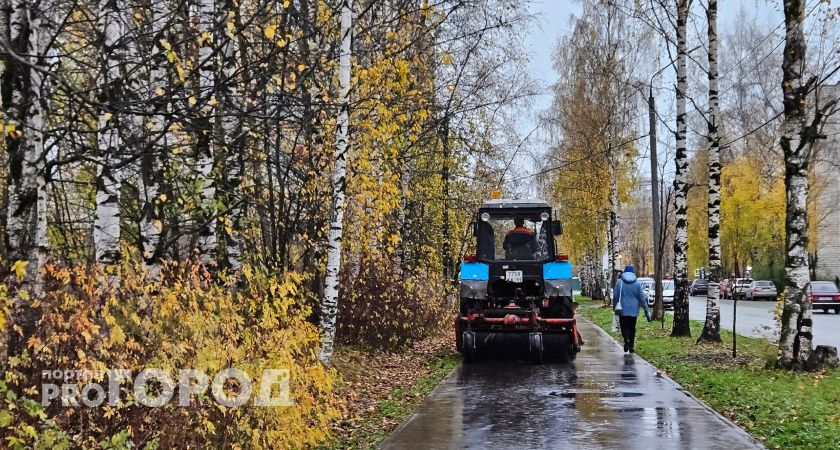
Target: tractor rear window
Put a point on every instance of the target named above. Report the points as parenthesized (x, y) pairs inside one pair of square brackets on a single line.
[(508, 237)]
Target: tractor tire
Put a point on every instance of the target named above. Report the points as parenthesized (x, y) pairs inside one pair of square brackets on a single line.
[(535, 346), (468, 349), (563, 348)]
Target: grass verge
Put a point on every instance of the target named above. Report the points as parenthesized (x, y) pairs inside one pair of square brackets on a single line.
[(383, 389), (780, 408)]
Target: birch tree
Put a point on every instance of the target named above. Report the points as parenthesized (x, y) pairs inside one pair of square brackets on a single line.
[(613, 219), (151, 176), (711, 327), (106, 226), (26, 108), (681, 324), (232, 135), (329, 303), (205, 100), (797, 142)]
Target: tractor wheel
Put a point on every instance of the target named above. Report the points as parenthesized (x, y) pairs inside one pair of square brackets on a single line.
[(535, 343), (566, 348), (468, 346)]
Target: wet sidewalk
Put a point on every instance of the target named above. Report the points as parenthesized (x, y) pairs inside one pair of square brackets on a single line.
[(604, 399)]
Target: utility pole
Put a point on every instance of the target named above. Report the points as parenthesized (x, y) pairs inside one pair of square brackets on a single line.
[(658, 307)]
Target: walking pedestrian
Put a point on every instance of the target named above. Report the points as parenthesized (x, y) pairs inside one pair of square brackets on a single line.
[(628, 296)]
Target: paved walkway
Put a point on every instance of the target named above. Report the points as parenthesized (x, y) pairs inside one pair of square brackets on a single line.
[(605, 399)]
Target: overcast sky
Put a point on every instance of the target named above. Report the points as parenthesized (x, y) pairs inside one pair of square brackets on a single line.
[(554, 21)]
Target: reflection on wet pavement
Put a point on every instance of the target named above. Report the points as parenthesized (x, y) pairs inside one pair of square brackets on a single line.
[(604, 399)]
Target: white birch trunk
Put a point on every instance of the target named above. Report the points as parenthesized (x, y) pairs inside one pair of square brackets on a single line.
[(711, 328), (795, 343), (613, 222), (206, 242), (233, 137), (27, 203), (106, 225), (681, 324), (329, 304), (151, 214)]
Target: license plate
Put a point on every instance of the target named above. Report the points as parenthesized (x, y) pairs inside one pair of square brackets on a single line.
[(513, 276), (826, 299)]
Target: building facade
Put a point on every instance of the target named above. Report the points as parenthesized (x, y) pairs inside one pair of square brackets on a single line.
[(827, 191)]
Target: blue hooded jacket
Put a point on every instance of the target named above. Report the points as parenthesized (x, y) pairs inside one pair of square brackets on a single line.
[(632, 295)]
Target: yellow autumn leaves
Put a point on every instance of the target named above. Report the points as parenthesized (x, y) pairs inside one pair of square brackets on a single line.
[(184, 322), (752, 217)]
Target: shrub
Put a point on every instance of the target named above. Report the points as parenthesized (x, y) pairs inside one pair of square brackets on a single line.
[(252, 321), (380, 307)]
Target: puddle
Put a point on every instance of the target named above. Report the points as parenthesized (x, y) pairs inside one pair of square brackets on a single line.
[(594, 394)]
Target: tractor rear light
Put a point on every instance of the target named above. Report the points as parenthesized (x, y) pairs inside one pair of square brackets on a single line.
[(469, 258), (561, 257)]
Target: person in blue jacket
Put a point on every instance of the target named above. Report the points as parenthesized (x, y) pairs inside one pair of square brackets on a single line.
[(628, 296)]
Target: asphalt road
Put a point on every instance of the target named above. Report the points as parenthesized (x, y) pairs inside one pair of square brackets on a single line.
[(604, 399), (755, 318)]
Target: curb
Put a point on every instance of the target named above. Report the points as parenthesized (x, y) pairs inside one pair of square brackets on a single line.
[(679, 387)]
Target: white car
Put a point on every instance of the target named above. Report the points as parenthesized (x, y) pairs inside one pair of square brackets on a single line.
[(668, 287), (761, 290), (740, 288)]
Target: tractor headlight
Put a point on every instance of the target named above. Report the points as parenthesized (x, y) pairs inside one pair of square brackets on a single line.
[(544, 216), (485, 217)]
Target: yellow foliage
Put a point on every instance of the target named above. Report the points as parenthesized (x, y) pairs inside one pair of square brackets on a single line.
[(19, 269), (253, 321), (752, 216)]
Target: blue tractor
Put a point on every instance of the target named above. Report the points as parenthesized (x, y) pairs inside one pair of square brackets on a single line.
[(516, 290)]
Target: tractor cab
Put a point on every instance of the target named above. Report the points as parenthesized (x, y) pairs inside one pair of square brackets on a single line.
[(516, 283)]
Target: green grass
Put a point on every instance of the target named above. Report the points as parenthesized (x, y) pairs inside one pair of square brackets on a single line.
[(399, 404), (780, 408)]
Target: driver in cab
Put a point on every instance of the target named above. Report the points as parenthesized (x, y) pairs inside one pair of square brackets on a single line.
[(519, 241)]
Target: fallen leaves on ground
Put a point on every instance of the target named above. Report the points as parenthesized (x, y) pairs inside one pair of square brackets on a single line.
[(371, 377)]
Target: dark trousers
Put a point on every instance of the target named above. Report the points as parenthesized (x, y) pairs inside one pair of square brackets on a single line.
[(628, 330)]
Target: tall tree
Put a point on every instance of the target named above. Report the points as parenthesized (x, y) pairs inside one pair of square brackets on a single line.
[(797, 141), (681, 324), (106, 226), (329, 303), (26, 108), (232, 136), (206, 103), (151, 178), (711, 328)]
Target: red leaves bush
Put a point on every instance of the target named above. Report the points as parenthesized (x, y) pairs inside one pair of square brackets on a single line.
[(381, 307)]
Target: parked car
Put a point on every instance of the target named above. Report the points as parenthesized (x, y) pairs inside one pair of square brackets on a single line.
[(739, 288), (649, 286), (824, 295), (725, 288), (762, 290), (699, 286), (668, 288)]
